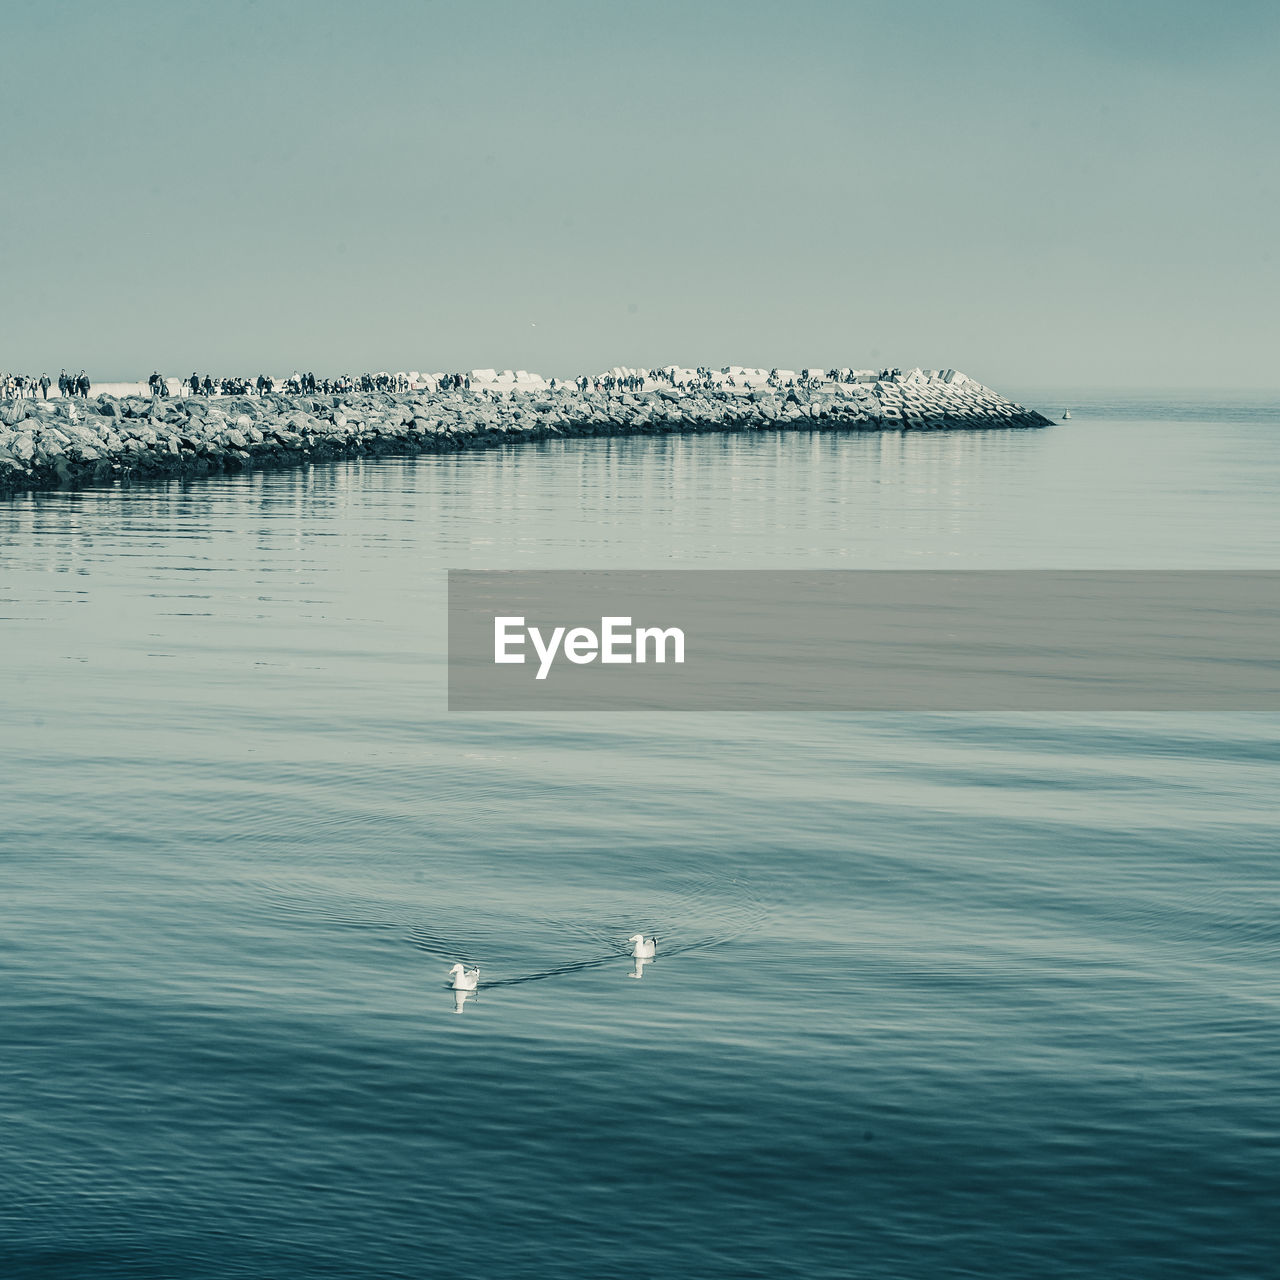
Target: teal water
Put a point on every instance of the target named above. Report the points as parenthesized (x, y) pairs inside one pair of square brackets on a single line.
[(937, 995)]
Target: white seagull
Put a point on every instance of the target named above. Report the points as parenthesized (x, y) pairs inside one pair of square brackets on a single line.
[(464, 979), (643, 948)]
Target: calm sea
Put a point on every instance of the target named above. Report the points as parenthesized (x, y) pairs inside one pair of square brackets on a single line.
[(936, 995)]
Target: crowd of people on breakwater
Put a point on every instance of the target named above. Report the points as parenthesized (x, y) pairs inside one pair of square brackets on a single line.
[(709, 378), (294, 384), (20, 386)]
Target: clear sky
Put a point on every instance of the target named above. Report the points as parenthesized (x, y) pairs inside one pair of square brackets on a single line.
[(1075, 192)]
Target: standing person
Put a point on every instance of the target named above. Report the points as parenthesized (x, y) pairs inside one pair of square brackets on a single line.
[(82, 384), (45, 383)]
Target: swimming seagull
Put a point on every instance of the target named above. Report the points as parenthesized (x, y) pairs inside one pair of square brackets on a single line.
[(464, 979), (643, 948)]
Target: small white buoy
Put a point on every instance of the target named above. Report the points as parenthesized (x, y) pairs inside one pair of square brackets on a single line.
[(1066, 415), (464, 979), (643, 948)]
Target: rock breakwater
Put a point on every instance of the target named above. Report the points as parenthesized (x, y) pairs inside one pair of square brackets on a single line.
[(67, 443)]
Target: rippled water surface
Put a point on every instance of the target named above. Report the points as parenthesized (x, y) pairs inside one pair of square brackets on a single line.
[(935, 996)]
